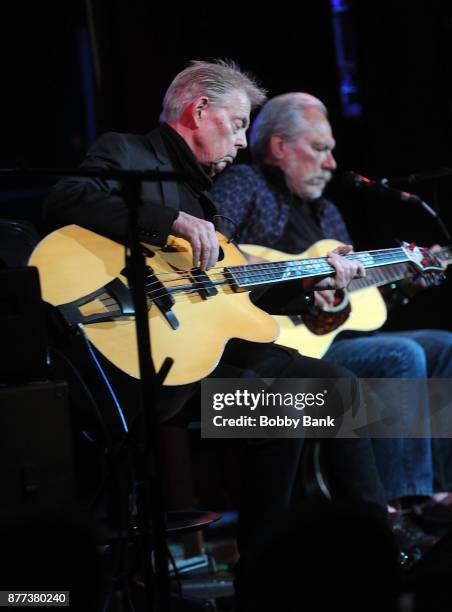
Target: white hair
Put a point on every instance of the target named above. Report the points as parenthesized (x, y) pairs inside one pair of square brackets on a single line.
[(285, 115), (216, 80)]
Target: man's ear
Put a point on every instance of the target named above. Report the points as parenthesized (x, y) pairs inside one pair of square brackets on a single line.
[(276, 146), (199, 107)]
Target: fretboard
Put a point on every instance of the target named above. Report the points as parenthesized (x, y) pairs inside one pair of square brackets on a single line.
[(280, 271), (381, 276)]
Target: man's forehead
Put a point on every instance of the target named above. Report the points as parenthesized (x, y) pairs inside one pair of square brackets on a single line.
[(317, 126), (238, 107), (238, 101)]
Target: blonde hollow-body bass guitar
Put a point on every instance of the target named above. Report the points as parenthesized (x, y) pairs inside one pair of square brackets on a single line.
[(192, 314), (360, 307)]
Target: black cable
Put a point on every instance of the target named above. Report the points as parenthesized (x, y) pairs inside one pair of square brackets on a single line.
[(89, 395), (102, 447), (235, 234)]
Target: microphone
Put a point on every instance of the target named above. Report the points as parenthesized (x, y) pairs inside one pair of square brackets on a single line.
[(381, 188)]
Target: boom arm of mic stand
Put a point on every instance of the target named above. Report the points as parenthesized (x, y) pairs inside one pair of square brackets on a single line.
[(419, 177)]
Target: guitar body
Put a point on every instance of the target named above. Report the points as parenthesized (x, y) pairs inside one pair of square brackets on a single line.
[(367, 309), (74, 262)]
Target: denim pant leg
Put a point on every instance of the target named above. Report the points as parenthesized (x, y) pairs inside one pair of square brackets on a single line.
[(437, 345), (404, 464)]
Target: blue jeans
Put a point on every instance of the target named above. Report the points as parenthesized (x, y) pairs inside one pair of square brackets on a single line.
[(406, 465)]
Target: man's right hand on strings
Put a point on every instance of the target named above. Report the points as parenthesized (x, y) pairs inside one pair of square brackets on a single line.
[(201, 236)]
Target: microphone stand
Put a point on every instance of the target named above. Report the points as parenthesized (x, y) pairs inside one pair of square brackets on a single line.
[(148, 477), (419, 177), (148, 499)]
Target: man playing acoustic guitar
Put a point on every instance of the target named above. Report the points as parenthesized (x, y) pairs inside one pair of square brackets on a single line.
[(277, 202)]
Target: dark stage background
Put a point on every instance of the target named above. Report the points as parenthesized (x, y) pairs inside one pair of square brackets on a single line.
[(72, 70)]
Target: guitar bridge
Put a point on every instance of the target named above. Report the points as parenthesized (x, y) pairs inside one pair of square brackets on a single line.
[(204, 285)]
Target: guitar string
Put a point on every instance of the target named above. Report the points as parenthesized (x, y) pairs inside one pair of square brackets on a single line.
[(199, 285), (313, 267), (223, 278), (192, 289), (386, 276), (265, 265), (230, 281), (251, 269)]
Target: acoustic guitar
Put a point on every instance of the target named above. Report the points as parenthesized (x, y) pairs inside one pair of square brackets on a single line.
[(360, 307), (192, 314)]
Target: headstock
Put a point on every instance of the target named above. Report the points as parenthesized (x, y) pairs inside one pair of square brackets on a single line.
[(422, 258)]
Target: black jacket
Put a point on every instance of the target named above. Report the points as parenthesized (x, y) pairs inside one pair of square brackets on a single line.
[(98, 204)]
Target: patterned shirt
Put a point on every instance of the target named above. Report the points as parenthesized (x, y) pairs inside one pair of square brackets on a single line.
[(261, 207)]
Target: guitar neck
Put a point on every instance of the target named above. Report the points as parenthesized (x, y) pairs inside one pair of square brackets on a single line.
[(281, 271), (381, 276), (394, 272)]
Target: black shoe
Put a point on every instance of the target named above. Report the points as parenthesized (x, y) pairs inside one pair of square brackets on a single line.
[(407, 558), (433, 517), (412, 540), (410, 536)]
